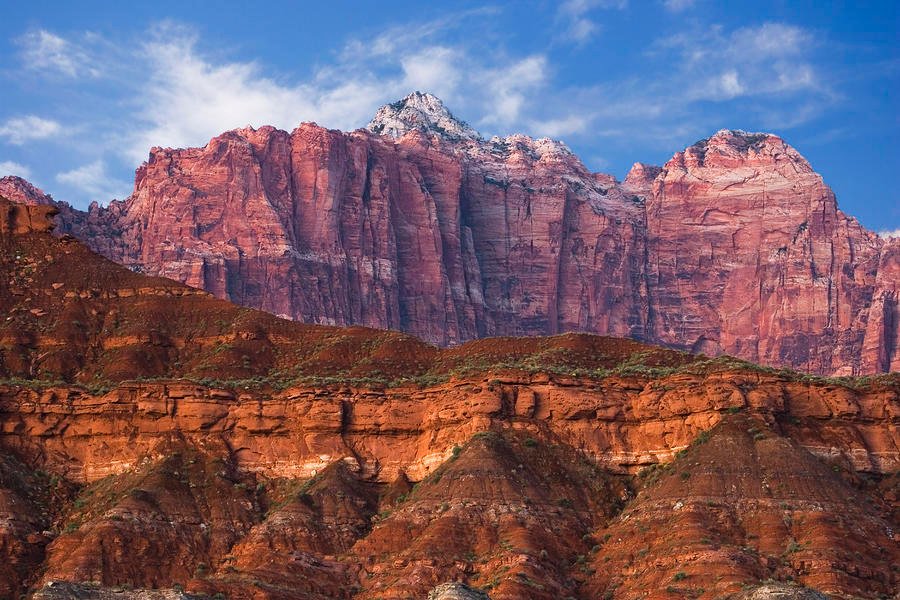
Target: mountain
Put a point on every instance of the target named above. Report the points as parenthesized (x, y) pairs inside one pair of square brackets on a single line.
[(159, 443), (419, 224), (420, 112)]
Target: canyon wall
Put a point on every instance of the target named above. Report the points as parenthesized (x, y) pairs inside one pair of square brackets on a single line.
[(624, 424), (418, 224)]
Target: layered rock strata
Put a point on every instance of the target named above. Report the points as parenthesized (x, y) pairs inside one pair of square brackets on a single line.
[(418, 224)]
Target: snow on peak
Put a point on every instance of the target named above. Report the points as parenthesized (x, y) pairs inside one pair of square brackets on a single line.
[(422, 112)]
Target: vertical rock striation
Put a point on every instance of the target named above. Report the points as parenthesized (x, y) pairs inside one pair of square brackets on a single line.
[(417, 223)]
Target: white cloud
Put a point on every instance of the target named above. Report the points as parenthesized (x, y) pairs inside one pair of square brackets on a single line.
[(730, 85), (188, 97), (889, 234), (769, 40), (186, 100), (178, 91), (582, 29), (48, 52), (19, 130), (678, 5), (94, 182), (769, 59), (435, 69), (507, 90), (8, 167), (578, 26)]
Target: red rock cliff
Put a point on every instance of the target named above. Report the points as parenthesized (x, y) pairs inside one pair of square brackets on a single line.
[(735, 246)]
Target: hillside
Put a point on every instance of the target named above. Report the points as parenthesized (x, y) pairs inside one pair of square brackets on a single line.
[(153, 437)]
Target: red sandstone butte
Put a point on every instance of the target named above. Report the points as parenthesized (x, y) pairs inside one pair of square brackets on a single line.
[(419, 224)]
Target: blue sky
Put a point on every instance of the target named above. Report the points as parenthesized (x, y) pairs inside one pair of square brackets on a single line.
[(89, 87)]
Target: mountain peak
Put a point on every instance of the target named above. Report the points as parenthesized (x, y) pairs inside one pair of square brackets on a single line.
[(422, 112), (19, 190), (731, 148), (740, 140)]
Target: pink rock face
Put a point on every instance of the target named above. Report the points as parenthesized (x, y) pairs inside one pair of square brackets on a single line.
[(750, 256), (734, 246), (18, 190)]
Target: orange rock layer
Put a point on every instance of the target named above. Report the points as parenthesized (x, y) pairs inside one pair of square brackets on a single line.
[(310, 489)]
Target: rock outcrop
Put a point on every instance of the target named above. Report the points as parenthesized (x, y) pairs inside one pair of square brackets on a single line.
[(20, 191), (418, 224), (749, 255), (61, 590), (456, 591), (19, 219), (520, 488)]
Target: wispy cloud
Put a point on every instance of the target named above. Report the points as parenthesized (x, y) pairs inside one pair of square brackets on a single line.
[(49, 53), (576, 23), (19, 130), (174, 89), (767, 70), (190, 97), (889, 234), (9, 167), (560, 127), (94, 182), (772, 58), (183, 95)]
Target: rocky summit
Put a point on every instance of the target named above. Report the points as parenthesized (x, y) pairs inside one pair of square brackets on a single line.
[(419, 112), (159, 443), (416, 223)]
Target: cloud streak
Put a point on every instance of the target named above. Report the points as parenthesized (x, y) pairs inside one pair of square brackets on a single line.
[(676, 6), (9, 167), (173, 89), (574, 19), (183, 96), (189, 98), (49, 53), (20, 130), (94, 182)]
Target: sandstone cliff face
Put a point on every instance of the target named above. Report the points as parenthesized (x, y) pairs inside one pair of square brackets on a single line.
[(20, 191), (625, 424), (418, 224), (749, 255), (702, 523)]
